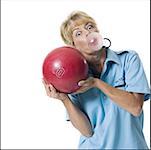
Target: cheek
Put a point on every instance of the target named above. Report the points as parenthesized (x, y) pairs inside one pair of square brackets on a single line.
[(81, 43)]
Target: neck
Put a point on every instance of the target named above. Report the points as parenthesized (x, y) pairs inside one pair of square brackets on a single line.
[(97, 67)]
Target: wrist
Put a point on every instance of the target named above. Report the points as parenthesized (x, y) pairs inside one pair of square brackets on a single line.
[(96, 82), (65, 100)]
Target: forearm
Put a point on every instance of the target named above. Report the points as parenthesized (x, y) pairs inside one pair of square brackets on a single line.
[(123, 98), (78, 118)]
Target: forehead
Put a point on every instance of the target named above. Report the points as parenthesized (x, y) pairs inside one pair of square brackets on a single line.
[(79, 22)]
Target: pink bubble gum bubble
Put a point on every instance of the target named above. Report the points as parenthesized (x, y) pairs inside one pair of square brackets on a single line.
[(95, 41)]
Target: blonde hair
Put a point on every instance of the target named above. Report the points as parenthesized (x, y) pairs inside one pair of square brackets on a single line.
[(78, 17)]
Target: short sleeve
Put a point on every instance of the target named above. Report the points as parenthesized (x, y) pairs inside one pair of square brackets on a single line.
[(135, 77), (74, 99)]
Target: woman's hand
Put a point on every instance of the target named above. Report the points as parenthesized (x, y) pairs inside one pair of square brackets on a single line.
[(86, 85), (53, 93)]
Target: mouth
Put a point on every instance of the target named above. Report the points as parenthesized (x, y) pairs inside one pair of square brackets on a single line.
[(93, 42)]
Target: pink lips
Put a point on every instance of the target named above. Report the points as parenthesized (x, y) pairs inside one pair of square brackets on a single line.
[(95, 41)]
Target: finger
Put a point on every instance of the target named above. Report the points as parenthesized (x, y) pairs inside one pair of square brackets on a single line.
[(86, 82), (51, 88), (47, 89), (54, 92), (80, 90), (81, 83), (45, 81), (44, 84), (48, 92)]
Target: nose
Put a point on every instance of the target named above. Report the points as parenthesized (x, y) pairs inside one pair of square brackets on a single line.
[(86, 32)]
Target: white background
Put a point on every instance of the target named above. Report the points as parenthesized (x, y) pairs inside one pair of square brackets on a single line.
[(30, 29)]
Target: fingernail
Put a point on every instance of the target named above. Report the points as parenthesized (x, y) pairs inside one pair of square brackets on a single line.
[(80, 83)]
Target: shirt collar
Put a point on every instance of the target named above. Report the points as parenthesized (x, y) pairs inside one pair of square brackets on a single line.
[(112, 56)]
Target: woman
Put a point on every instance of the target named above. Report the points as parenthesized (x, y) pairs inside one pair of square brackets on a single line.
[(107, 109)]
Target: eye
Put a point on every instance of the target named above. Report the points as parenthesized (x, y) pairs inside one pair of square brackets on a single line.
[(78, 33), (90, 27)]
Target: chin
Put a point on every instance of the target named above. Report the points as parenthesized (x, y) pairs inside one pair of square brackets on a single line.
[(93, 59)]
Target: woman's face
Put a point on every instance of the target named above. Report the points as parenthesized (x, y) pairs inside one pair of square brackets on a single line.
[(79, 34)]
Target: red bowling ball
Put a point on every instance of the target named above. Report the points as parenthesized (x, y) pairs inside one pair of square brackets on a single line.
[(64, 67)]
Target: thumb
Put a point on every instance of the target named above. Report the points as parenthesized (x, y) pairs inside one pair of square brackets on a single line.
[(80, 83)]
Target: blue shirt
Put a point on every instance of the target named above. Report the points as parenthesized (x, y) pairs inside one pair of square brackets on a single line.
[(114, 127)]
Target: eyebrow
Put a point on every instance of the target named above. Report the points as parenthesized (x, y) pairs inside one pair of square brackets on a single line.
[(87, 24), (74, 29), (84, 26)]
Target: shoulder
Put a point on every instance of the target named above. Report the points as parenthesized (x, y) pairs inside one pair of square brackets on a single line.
[(129, 59), (126, 52), (127, 55)]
